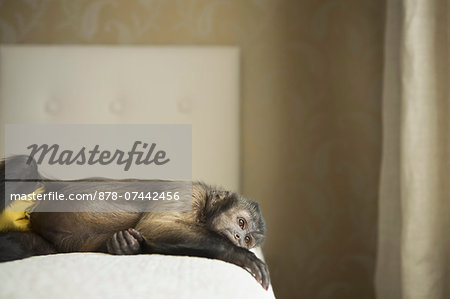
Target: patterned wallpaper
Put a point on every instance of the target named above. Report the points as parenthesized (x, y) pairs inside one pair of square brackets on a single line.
[(311, 84)]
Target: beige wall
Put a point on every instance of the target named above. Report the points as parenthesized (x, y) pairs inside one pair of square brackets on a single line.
[(311, 80)]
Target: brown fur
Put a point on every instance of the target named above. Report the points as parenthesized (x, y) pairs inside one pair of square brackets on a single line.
[(208, 226)]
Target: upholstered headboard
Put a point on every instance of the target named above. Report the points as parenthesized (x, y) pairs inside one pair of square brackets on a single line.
[(122, 85)]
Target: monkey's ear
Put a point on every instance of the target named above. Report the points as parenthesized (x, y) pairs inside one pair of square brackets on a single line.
[(259, 238), (217, 196)]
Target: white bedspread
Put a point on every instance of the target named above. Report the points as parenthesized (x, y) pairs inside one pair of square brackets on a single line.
[(96, 275)]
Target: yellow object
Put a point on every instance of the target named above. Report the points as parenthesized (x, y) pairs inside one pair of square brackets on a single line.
[(15, 217)]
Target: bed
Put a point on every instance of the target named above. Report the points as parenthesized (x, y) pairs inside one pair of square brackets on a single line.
[(130, 85)]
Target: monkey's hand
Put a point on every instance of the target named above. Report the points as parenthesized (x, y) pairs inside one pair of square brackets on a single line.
[(125, 242), (250, 262)]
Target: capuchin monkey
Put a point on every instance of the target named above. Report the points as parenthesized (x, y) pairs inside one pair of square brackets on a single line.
[(220, 225)]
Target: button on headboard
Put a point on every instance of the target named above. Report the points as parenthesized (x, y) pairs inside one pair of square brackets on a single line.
[(121, 85)]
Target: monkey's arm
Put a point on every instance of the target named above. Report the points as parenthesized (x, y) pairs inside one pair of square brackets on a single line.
[(190, 240)]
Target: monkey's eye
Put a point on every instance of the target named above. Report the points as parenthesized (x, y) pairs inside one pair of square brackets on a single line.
[(241, 223), (247, 239)]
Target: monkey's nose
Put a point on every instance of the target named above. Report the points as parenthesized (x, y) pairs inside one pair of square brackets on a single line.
[(237, 237)]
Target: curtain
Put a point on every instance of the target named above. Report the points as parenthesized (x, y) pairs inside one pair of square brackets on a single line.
[(413, 255)]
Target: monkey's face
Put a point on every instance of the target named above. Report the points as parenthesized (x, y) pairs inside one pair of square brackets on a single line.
[(237, 225), (236, 218)]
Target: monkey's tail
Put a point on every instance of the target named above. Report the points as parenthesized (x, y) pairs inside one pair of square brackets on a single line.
[(18, 175), (19, 245)]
